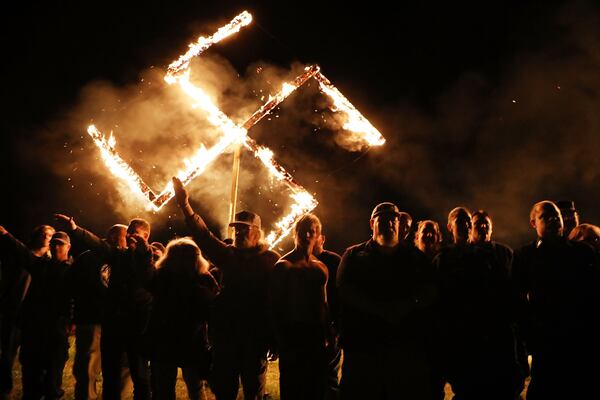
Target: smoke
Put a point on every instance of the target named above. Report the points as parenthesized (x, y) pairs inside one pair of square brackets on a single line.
[(498, 143), (504, 145)]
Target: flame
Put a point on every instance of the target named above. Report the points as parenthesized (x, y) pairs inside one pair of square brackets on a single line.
[(304, 202), (366, 134), (178, 71), (117, 165), (181, 64)]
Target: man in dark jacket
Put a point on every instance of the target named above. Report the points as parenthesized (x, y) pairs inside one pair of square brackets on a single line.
[(87, 281), (241, 329), (477, 318), (46, 317), (14, 281), (557, 282), (127, 307), (385, 290)]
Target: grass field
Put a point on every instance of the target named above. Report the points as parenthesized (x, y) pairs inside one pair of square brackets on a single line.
[(69, 382)]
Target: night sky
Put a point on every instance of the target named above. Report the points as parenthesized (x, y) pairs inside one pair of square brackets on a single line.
[(492, 107)]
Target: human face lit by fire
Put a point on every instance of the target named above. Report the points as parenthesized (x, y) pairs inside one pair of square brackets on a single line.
[(245, 236), (386, 229)]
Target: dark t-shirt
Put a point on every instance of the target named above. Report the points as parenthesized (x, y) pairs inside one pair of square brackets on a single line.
[(475, 290), (241, 310), (87, 288), (392, 291), (558, 285), (332, 262)]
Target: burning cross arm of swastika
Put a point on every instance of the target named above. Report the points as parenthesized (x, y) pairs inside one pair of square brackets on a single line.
[(363, 133)]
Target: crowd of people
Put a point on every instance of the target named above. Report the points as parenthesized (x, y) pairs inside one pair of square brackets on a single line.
[(396, 317)]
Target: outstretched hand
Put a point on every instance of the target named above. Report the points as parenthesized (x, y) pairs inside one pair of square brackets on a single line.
[(181, 195), (65, 223), (3, 231)]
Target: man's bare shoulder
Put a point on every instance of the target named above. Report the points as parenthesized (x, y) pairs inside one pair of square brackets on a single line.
[(284, 263), (318, 265)]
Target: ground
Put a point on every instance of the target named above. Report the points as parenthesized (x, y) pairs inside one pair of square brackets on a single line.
[(69, 382)]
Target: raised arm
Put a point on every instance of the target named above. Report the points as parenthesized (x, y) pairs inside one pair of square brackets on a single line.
[(214, 248), (12, 245), (85, 238)]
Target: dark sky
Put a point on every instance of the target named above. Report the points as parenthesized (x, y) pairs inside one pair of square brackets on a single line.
[(493, 106)]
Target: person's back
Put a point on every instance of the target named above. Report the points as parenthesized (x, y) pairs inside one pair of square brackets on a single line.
[(183, 290), (242, 306), (241, 329), (87, 288)]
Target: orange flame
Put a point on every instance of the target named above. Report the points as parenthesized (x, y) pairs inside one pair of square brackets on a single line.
[(183, 63), (364, 133)]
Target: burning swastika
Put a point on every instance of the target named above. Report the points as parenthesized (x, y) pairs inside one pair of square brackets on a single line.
[(362, 133)]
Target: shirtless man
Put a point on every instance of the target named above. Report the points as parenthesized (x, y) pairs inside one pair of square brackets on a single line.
[(300, 311)]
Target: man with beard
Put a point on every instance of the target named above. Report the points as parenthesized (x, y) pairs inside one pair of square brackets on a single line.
[(478, 335), (385, 292), (241, 327), (299, 303), (557, 282)]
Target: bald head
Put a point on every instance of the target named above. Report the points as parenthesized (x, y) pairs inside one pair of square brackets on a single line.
[(459, 224), (546, 220)]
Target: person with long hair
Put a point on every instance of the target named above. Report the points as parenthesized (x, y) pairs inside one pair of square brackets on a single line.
[(183, 290)]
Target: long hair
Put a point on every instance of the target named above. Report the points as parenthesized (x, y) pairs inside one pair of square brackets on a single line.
[(183, 257), (438, 234)]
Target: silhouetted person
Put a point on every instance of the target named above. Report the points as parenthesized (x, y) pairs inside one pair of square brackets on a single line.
[(587, 233), (569, 215), (478, 315), (385, 292), (158, 250), (241, 327), (14, 281), (428, 238), (127, 307), (183, 290), (300, 310), (557, 282), (88, 281), (334, 350), (405, 224), (45, 317)]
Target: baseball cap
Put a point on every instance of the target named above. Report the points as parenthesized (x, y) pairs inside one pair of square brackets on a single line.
[(385, 208), (246, 218), (62, 237)]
